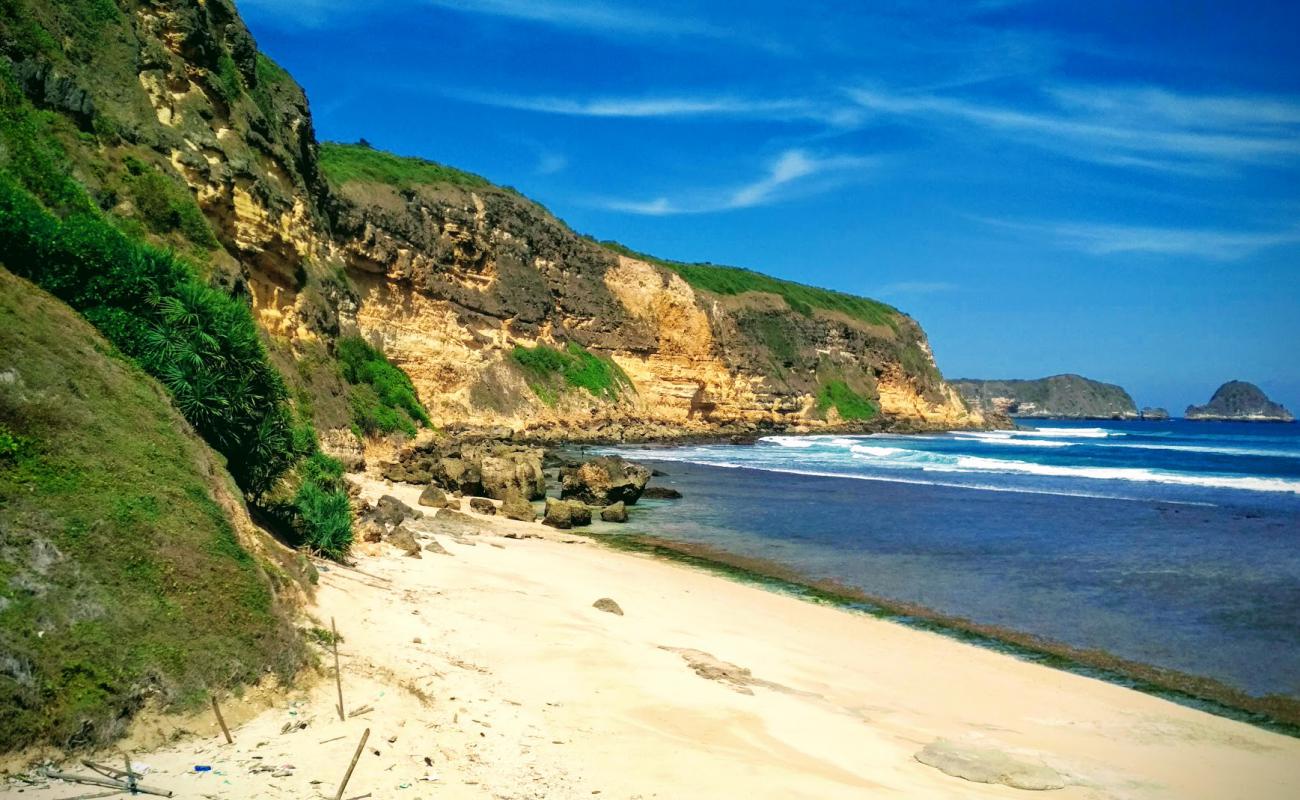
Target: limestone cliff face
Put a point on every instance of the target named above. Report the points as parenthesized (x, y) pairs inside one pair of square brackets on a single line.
[(451, 276), (452, 279)]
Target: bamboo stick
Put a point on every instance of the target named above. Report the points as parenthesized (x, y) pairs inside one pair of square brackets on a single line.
[(355, 756), (338, 674), (216, 709), (95, 780)]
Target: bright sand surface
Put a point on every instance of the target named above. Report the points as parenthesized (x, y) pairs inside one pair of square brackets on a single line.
[(492, 663)]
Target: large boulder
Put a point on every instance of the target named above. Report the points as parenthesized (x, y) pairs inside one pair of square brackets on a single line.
[(456, 523), (482, 505), (614, 513), (403, 538), (459, 474), (516, 506), (661, 493), (604, 481), (433, 497), (566, 513), (509, 468), (391, 511)]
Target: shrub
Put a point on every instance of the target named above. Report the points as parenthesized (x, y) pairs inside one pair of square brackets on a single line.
[(382, 397), (326, 519), (850, 405), (549, 369), (164, 206), (197, 341)]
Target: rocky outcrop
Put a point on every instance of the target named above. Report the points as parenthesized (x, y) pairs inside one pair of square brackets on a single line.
[(1057, 397), (433, 497), (1155, 414), (516, 506), (482, 505), (1238, 401), (565, 514), (661, 493), (475, 467), (604, 481), (614, 513)]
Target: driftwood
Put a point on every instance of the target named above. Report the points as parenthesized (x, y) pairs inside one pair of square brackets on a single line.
[(216, 709), (363, 710), (347, 776), (98, 780), (338, 674), (113, 772)]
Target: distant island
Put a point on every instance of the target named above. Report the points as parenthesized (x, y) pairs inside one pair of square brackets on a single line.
[(1239, 401), (1059, 396)]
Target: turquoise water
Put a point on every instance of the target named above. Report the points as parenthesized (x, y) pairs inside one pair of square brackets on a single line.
[(1175, 544)]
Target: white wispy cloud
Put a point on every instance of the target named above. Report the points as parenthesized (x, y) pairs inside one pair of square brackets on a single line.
[(794, 172), (591, 16), (597, 17), (549, 163), (669, 106), (1136, 127), (1107, 240)]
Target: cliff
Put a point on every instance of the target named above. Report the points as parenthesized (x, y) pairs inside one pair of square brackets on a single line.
[(1241, 402), (1060, 396), (179, 127)]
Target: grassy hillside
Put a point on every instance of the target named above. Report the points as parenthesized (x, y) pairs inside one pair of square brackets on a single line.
[(344, 163), (799, 297), (121, 577)]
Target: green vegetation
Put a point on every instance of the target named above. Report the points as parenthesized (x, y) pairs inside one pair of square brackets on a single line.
[(121, 576), (800, 298), (25, 28), (164, 205), (227, 81), (30, 150), (201, 343), (851, 406), (269, 75), (346, 163), (382, 397), (550, 371)]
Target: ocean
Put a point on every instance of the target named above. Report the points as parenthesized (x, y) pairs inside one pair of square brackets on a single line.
[(1173, 544)]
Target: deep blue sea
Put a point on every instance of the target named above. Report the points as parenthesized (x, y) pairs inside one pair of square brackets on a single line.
[(1175, 543)]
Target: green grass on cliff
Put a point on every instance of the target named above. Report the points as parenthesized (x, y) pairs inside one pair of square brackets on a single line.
[(550, 370), (200, 342), (348, 163), (121, 578), (851, 406), (383, 398), (800, 298)]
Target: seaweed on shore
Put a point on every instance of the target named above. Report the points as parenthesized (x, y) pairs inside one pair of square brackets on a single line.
[(1277, 713)]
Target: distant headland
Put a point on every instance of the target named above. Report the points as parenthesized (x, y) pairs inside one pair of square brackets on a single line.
[(1240, 401)]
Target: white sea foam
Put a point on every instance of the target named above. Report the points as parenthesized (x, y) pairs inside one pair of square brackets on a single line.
[(1138, 474), (879, 452), (703, 460), (1193, 448), (790, 441)]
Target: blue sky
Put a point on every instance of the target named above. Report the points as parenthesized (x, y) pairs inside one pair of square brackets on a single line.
[(1105, 188)]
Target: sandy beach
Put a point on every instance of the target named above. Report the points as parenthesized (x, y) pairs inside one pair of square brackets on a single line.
[(491, 675)]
